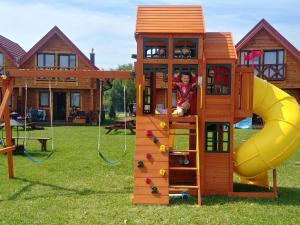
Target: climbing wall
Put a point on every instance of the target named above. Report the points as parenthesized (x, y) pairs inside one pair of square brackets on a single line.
[(151, 162)]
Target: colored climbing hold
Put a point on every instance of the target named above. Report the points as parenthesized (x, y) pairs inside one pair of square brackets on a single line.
[(149, 133), (140, 164), (148, 181), (154, 189), (162, 172), (162, 124), (154, 139), (162, 148), (148, 156)]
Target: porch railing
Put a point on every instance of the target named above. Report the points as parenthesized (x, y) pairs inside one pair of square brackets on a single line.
[(270, 72)]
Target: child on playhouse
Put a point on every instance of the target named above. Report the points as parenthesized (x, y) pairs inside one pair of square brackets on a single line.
[(184, 83)]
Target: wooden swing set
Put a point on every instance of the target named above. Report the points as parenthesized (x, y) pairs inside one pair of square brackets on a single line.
[(7, 89)]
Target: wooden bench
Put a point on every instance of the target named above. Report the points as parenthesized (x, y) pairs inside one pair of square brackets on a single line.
[(42, 140), (120, 125)]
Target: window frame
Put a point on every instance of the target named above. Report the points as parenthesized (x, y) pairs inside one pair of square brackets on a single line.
[(75, 92), (194, 40), (1, 66), (44, 59), (217, 141), (163, 40), (229, 82), (40, 99), (69, 61)]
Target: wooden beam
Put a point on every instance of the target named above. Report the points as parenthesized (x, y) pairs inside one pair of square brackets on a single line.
[(7, 84), (70, 73), (6, 92), (7, 149)]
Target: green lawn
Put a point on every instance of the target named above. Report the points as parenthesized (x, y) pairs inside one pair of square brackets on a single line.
[(75, 187)]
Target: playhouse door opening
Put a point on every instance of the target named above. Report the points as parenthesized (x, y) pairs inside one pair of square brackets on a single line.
[(59, 105)]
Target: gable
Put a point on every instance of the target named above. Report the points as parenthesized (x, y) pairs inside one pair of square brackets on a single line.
[(55, 41)]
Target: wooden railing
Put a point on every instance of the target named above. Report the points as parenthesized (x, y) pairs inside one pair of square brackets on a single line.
[(243, 92), (57, 79), (269, 71)]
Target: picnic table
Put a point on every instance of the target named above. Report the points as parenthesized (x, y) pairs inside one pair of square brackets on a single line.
[(42, 140), (120, 125)]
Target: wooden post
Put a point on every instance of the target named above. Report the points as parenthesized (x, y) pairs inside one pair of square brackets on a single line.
[(275, 182), (8, 143)]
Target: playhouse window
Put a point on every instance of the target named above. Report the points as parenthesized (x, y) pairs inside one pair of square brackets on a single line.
[(156, 48), (155, 96), (217, 137), (218, 79), (44, 99), (182, 68), (185, 48)]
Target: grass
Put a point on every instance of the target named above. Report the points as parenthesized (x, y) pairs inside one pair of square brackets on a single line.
[(75, 187)]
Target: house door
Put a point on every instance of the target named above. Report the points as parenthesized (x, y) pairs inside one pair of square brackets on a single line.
[(59, 105)]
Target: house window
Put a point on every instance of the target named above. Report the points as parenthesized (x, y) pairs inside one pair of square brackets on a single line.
[(255, 62), (185, 48), (45, 60), (75, 99), (218, 79), (273, 65), (156, 48), (67, 61), (44, 99), (217, 137), (1, 63)]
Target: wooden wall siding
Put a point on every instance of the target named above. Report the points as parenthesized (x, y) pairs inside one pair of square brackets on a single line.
[(294, 92), (216, 173), (263, 40), (144, 145)]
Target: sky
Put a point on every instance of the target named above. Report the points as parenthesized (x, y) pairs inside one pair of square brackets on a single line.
[(108, 25)]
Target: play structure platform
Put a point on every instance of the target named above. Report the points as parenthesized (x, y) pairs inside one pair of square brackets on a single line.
[(172, 39)]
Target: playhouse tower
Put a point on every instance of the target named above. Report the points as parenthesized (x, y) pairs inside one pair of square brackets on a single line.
[(171, 39)]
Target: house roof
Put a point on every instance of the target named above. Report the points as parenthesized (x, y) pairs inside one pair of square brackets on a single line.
[(56, 31), (11, 49), (169, 19), (219, 45), (263, 24)]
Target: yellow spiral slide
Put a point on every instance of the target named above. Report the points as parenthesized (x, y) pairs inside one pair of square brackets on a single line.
[(277, 141)]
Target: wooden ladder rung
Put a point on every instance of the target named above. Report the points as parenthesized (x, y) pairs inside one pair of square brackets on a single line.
[(183, 126), (176, 187), (179, 151), (182, 168), (190, 134)]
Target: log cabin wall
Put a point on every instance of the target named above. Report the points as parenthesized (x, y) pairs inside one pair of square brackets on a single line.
[(265, 39)]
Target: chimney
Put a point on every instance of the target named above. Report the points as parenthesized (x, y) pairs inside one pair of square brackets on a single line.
[(92, 56)]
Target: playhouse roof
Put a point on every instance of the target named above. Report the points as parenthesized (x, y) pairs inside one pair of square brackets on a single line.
[(56, 31), (219, 45), (170, 19), (12, 49), (263, 24)]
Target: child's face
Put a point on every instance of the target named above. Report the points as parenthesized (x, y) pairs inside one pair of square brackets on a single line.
[(185, 78)]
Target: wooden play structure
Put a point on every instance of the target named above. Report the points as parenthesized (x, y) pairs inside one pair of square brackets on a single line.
[(171, 39)]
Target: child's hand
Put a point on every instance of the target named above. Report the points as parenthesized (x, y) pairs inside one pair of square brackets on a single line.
[(193, 74)]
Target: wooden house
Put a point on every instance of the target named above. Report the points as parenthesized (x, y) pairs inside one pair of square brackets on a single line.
[(56, 51), (173, 39), (279, 62), (10, 56)]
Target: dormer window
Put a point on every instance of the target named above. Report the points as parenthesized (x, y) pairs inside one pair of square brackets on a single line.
[(45, 60), (67, 61)]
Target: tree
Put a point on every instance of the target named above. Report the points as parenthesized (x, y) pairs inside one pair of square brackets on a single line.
[(114, 96)]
